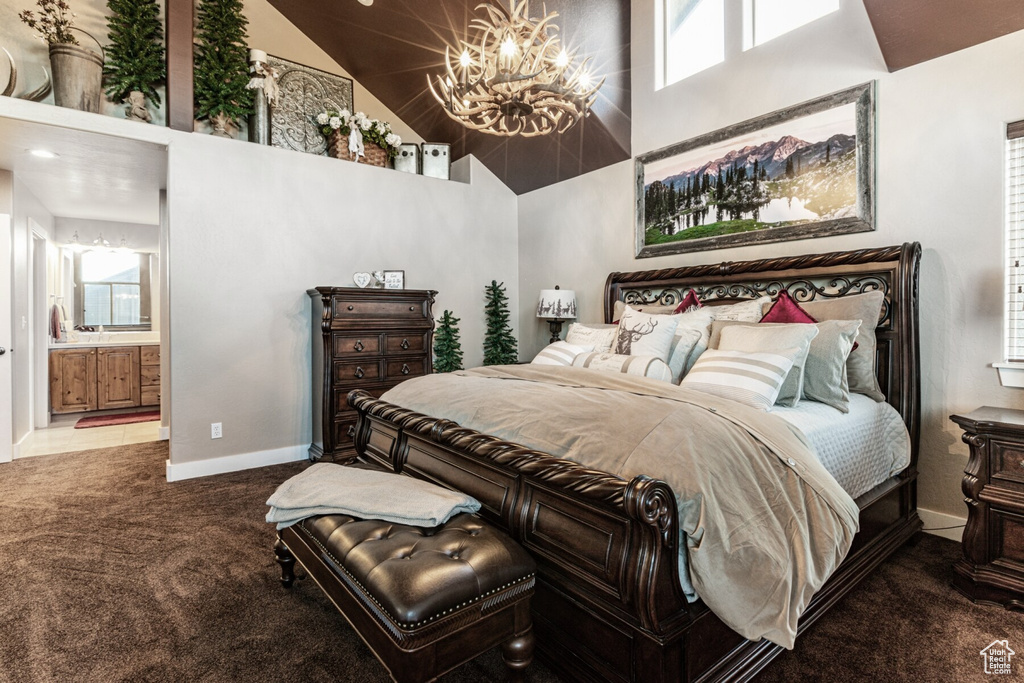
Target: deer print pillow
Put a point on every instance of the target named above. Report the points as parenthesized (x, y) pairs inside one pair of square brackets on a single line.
[(643, 334)]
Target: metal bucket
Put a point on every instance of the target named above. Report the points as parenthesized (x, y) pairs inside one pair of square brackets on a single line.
[(77, 77)]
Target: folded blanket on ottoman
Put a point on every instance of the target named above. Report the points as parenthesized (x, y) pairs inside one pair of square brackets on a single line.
[(329, 489)]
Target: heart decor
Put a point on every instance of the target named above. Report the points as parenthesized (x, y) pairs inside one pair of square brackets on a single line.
[(362, 279)]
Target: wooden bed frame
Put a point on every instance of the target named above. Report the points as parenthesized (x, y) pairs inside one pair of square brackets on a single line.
[(609, 606)]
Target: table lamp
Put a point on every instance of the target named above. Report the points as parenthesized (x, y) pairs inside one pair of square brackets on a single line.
[(557, 305)]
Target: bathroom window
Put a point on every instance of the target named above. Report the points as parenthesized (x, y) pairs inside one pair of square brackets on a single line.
[(112, 289)]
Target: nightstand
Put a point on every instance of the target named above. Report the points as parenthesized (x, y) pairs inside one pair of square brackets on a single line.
[(992, 568)]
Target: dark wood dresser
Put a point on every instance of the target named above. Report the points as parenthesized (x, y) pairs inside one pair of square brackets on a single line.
[(992, 568), (368, 339)]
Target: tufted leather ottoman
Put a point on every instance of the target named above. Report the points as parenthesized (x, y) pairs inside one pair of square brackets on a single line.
[(423, 600)]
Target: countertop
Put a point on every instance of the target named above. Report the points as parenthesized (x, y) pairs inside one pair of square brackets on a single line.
[(95, 343)]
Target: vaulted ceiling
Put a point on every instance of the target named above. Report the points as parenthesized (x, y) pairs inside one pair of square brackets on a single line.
[(393, 46)]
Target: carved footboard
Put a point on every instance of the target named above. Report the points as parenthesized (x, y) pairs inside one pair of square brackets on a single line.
[(606, 547)]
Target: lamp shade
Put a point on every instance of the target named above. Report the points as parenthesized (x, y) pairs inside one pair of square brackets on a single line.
[(557, 304)]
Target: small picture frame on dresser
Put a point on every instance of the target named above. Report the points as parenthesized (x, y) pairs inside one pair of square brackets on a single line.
[(394, 279)]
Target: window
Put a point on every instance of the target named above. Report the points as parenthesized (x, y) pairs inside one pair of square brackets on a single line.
[(767, 19), (1015, 241), (692, 34), (112, 289), (694, 37)]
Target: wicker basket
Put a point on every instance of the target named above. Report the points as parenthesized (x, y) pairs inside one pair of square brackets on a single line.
[(337, 147)]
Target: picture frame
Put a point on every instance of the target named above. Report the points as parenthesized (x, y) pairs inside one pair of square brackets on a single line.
[(803, 172), (394, 279)]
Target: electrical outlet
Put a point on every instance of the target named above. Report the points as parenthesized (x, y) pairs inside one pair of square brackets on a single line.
[(215, 430)]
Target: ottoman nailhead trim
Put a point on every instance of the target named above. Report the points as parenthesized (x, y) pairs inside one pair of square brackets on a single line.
[(403, 624)]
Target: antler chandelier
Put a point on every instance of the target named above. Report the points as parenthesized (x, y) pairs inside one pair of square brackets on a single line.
[(516, 78)]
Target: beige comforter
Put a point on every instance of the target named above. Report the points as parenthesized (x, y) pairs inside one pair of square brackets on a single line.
[(764, 524)]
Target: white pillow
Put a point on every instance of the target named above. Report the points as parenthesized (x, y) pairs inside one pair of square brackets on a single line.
[(643, 334), (679, 356), (771, 338), (598, 337), (753, 379), (638, 366), (745, 311), (559, 353), (653, 309), (700, 321)]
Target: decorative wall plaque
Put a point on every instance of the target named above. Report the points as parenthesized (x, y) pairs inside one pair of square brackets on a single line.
[(304, 93)]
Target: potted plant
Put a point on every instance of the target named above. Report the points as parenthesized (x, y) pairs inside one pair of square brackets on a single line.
[(354, 136), (135, 57), (77, 71), (222, 65)]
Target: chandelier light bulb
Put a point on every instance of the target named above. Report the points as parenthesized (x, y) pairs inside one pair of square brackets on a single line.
[(465, 60), (563, 59), (508, 47)]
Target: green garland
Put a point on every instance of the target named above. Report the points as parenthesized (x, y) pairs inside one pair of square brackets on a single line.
[(135, 56), (222, 61)]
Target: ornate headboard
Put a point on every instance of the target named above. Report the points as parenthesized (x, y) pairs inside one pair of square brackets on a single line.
[(891, 270)]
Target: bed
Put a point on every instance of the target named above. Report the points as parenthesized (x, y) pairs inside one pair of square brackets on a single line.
[(609, 604)]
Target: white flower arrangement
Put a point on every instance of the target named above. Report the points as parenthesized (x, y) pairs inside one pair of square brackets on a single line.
[(373, 130)]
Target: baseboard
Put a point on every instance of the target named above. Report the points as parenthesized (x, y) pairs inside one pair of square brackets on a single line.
[(164, 434), (22, 446), (234, 463), (938, 522)]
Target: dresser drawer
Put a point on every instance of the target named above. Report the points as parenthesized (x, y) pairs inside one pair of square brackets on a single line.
[(355, 345), (357, 308), (344, 431), (1006, 461), (150, 396), (398, 343), (354, 372), (404, 368), (149, 355), (150, 375), (341, 396)]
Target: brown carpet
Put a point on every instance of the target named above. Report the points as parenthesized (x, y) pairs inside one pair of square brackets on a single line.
[(112, 574)]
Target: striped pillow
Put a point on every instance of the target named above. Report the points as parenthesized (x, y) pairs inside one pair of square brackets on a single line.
[(559, 353), (638, 366), (753, 379)]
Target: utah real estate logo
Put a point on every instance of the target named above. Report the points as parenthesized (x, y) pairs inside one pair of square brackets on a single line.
[(997, 657)]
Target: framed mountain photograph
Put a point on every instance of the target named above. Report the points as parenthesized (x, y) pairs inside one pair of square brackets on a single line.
[(806, 171)]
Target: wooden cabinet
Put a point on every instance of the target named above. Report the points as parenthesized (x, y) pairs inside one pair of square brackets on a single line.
[(117, 377), (149, 375), (104, 378), (368, 339), (73, 380), (992, 567)]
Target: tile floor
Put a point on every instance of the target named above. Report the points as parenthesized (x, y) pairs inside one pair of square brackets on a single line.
[(62, 437)]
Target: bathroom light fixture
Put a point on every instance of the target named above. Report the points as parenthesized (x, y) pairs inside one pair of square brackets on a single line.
[(515, 78), (123, 248), (43, 153), (101, 244), (74, 245)]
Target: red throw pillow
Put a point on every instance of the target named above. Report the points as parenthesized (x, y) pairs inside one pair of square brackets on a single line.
[(690, 302), (787, 310)]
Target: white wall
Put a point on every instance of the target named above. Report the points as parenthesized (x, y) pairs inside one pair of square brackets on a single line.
[(252, 228), (25, 207), (940, 143)]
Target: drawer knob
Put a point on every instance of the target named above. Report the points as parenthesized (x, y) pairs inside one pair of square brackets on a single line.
[(358, 346), (351, 431), (405, 369), (359, 373), (405, 343), (351, 308), (412, 308)]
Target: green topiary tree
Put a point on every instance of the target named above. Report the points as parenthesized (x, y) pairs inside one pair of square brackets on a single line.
[(135, 56), (447, 349), (222, 64), (499, 342)]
